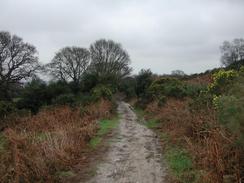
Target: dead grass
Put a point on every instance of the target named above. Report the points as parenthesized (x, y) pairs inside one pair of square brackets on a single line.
[(55, 140), (212, 148)]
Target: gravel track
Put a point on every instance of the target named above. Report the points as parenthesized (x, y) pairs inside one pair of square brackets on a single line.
[(134, 154)]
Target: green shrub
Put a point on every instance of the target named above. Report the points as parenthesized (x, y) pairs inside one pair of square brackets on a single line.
[(242, 70), (175, 90), (143, 81), (167, 87), (222, 81), (84, 99), (128, 87), (202, 101), (65, 99), (102, 91), (230, 105), (55, 89), (230, 110), (157, 88), (236, 65), (194, 90), (89, 81), (143, 101), (6, 108), (33, 96)]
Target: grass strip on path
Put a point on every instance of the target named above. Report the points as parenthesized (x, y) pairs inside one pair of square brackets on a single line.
[(152, 123), (105, 127)]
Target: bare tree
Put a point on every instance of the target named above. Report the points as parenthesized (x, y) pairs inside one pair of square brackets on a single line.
[(232, 51), (69, 64), (18, 60), (178, 73), (108, 58)]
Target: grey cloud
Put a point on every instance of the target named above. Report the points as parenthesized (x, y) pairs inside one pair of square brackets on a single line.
[(163, 35)]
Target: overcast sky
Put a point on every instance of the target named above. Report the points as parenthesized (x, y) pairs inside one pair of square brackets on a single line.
[(162, 35)]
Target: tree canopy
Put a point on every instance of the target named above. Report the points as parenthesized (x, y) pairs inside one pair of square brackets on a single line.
[(178, 73), (108, 58), (18, 60), (232, 51), (69, 64)]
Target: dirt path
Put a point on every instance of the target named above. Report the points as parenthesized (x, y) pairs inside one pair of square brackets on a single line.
[(133, 156)]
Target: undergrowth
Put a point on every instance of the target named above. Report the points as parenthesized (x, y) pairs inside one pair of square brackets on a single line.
[(50, 146), (202, 134)]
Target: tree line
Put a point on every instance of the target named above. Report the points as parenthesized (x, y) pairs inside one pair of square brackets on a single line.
[(77, 72), (105, 61), (74, 72)]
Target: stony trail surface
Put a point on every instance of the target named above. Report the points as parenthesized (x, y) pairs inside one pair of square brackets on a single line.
[(134, 154)]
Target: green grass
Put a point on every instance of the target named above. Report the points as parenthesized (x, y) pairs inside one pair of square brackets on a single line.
[(152, 123), (180, 164), (179, 161), (139, 112), (95, 141), (105, 126)]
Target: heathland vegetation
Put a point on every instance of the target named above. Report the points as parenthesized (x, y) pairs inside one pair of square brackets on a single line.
[(50, 129), (199, 118)]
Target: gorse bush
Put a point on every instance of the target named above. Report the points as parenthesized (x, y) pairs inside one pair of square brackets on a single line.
[(157, 88), (231, 115), (208, 122), (230, 109), (175, 90), (222, 81), (241, 70), (167, 87), (102, 91), (194, 90), (201, 101)]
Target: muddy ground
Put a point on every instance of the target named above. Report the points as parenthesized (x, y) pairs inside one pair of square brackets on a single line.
[(134, 154)]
